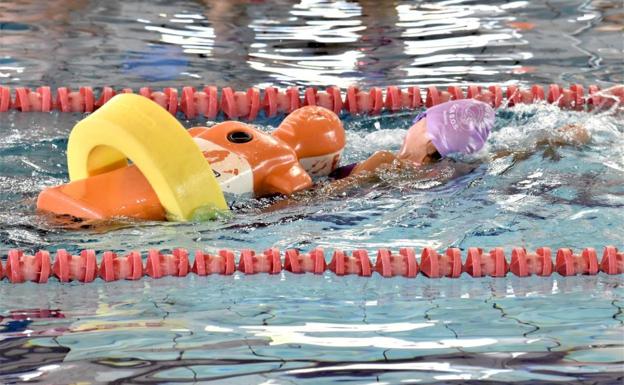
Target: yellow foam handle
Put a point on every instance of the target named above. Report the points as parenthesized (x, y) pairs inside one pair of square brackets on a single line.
[(134, 127)]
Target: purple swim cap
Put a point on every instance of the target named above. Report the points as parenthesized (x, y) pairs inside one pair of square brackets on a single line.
[(459, 126)]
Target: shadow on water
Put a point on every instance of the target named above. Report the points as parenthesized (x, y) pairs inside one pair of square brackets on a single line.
[(23, 361)]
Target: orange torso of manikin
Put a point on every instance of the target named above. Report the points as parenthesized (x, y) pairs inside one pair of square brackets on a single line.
[(245, 160), (248, 161)]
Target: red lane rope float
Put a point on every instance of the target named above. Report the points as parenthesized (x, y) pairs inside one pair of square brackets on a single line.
[(113, 268), (269, 262), (277, 102), (404, 264), (539, 263), (314, 262), (37, 100), (246, 105), (206, 264), (568, 263), (160, 265), (493, 264), (612, 261), (330, 98), (34, 268), (362, 102), (21, 267), (358, 263), (434, 265), (82, 268)]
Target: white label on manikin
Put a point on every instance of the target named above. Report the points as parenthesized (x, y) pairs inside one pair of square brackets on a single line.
[(232, 170), (321, 165)]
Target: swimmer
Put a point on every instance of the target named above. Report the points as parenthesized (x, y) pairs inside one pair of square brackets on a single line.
[(454, 127), (460, 126), (463, 127)]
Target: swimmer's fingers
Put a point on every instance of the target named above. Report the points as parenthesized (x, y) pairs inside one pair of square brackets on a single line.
[(572, 134)]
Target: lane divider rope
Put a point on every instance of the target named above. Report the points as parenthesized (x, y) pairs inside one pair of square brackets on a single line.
[(21, 267), (208, 102)]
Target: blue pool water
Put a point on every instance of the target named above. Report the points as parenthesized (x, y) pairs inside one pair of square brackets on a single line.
[(309, 329)]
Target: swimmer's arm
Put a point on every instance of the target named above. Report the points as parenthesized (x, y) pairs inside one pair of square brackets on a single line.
[(363, 173), (317, 192), (366, 172), (568, 135), (374, 162)]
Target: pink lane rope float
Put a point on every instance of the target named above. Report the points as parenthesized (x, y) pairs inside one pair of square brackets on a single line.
[(83, 267), (208, 102)]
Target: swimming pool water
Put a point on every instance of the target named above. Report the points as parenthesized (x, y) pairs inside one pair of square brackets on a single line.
[(298, 330), (308, 329)]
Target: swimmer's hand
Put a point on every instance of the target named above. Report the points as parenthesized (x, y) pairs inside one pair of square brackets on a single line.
[(569, 135)]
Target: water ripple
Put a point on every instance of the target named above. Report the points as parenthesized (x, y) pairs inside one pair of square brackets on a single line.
[(312, 43)]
